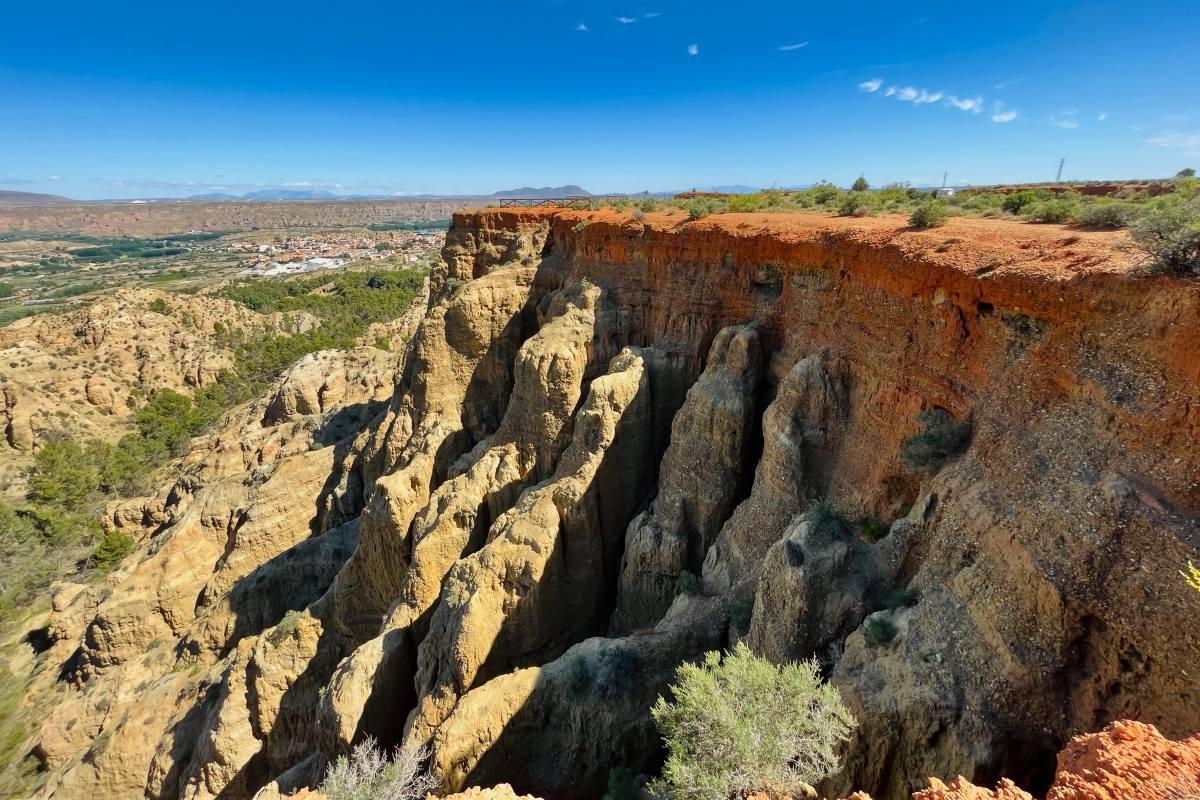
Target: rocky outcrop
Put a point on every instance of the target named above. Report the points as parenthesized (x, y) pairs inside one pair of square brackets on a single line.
[(543, 579), (1126, 760), (83, 372), (819, 582), (594, 697), (702, 475), (616, 445)]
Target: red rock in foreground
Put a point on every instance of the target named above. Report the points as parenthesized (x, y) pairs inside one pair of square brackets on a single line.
[(1128, 760), (1125, 761), (962, 789)]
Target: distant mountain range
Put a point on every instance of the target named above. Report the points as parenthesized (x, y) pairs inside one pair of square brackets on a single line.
[(8, 198), (570, 190), (270, 194), (11, 198)]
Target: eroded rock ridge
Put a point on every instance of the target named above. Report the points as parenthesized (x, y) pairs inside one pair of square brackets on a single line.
[(616, 443)]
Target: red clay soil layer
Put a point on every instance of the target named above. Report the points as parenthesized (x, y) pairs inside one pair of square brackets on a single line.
[(972, 245), (1125, 761)]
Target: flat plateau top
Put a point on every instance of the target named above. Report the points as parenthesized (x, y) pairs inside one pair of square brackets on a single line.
[(968, 244)]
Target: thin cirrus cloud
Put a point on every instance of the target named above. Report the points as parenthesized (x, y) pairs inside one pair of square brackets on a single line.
[(1064, 122), (626, 20), (693, 49), (922, 97), (1185, 141), (652, 15), (787, 48), (582, 27)]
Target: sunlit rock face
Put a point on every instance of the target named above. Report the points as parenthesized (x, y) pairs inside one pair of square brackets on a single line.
[(610, 447)]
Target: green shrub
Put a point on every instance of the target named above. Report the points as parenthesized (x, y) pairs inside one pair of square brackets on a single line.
[(740, 723), (18, 719), (287, 626), (942, 438), (1169, 232), (860, 185), (879, 631), (1050, 211), (1106, 215), (929, 214), (1015, 203), (873, 528), (854, 204), (824, 192), (1186, 172), (701, 207), (647, 205), (111, 550), (159, 306), (746, 202), (62, 475)]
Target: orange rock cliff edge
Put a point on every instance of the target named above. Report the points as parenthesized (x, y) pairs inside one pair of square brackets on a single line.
[(486, 557)]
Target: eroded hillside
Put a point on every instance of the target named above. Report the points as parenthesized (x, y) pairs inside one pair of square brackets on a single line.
[(83, 372), (619, 442)]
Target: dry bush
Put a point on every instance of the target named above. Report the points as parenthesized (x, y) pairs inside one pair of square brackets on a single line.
[(371, 774)]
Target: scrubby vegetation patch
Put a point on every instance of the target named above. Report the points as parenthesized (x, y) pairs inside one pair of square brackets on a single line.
[(739, 723)]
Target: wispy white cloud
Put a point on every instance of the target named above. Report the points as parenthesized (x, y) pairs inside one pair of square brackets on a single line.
[(582, 27), (693, 49), (1064, 122), (1103, 115), (1006, 84), (1187, 141), (916, 96), (652, 15), (974, 105), (922, 97), (789, 47), (626, 20), (54, 178)]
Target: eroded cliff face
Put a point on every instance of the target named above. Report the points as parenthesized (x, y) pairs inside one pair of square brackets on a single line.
[(617, 443)]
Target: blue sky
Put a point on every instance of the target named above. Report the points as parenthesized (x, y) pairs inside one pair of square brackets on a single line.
[(140, 99)]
